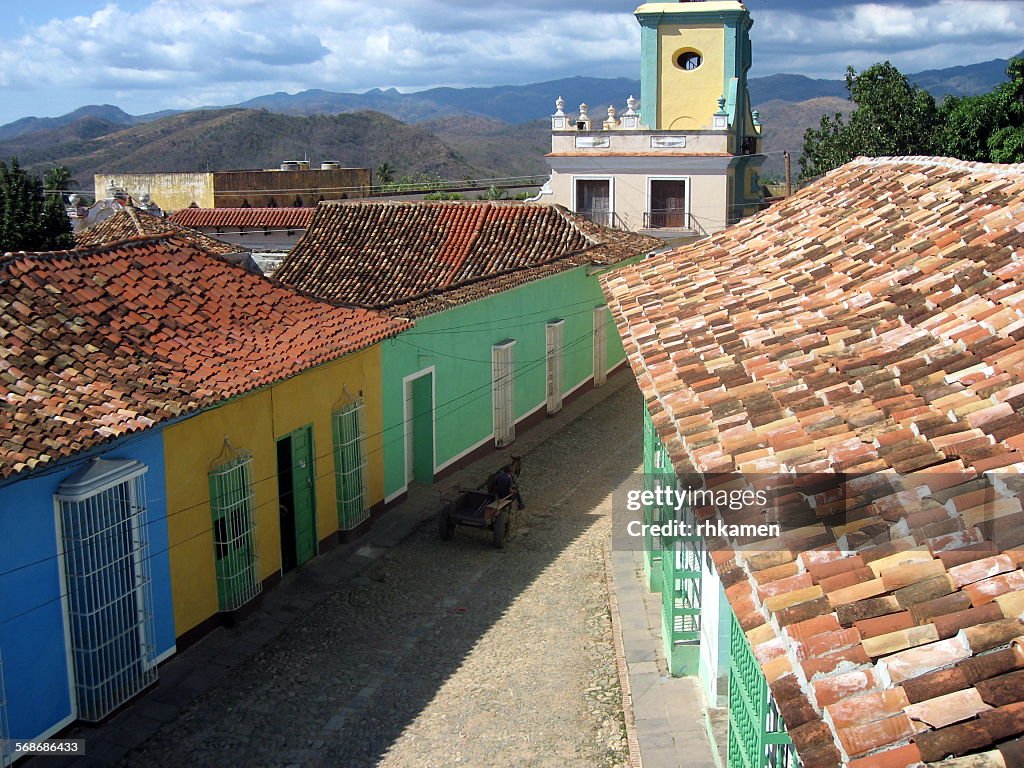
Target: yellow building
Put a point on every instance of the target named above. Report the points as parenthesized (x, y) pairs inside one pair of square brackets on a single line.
[(297, 435), (294, 184), (682, 159), (269, 405)]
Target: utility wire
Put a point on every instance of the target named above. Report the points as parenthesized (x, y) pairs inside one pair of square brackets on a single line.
[(528, 367)]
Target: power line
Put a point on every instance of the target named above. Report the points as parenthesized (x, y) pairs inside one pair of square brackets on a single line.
[(435, 410)]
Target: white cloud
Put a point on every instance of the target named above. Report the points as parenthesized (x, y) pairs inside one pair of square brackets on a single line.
[(184, 53), (937, 35)]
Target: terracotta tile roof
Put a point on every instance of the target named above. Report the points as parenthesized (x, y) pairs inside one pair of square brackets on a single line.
[(100, 342), (263, 218), (418, 258), (130, 222), (863, 339)]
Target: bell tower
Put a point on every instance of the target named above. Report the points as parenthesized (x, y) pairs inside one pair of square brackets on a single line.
[(682, 161), (693, 54)]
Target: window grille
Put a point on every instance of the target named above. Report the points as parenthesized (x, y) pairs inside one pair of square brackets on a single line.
[(234, 529), (349, 432), (503, 378), (757, 734), (554, 365), (104, 526), (600, 345), (5, 751)]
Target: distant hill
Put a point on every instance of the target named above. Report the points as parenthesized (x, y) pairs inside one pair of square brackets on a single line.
[(784, 126), (236, 139), (508, 103), (103, 112), (452, 132)]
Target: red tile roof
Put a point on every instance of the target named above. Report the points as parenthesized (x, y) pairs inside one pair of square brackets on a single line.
[(104, 341), (131, 222), (423, 257), (871, 324), (261, 218)]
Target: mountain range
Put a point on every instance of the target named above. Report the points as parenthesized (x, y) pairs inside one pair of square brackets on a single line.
[(452, 132)]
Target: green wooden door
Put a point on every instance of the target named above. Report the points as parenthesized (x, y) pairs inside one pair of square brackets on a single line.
[(303, 494)]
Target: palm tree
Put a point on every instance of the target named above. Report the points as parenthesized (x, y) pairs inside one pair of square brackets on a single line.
[(58, 180), (385, 173)]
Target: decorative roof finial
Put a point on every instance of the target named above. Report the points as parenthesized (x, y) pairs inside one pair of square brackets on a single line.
[(559, 107)]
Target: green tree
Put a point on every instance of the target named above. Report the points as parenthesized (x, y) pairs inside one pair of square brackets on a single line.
[(385, 173), (29, 221), (988, 127), (893, 117), (58, 179)]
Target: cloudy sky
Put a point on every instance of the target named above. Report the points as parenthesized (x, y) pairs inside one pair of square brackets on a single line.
[(148, 55)]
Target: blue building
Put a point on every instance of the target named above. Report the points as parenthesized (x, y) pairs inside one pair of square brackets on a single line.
[(85, 591)]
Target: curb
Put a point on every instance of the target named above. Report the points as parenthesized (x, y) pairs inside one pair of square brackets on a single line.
[(632, 742)]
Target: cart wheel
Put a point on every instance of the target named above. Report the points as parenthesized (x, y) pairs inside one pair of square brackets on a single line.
[(500, 528), (445, 526)]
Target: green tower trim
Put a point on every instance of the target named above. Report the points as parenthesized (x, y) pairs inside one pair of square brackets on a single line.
[(736, 53)]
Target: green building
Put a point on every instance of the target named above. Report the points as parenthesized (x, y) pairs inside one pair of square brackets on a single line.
[(509, 318)]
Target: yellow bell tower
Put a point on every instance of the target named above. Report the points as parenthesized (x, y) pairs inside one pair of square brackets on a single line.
[(682, 161), (693, 54)]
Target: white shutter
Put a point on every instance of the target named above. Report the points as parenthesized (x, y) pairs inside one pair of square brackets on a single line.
[(503, 375), (600, 345), (554, 365)]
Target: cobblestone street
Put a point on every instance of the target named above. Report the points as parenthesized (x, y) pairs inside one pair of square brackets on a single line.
[(439, 653)]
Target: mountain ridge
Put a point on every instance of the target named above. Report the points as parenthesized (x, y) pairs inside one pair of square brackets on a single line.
[(520, 103)]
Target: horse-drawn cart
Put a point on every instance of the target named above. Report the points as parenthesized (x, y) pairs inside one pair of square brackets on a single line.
[(478, 509)]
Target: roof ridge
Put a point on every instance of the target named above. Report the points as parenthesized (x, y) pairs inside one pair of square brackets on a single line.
[(951, 163), (90, 250)]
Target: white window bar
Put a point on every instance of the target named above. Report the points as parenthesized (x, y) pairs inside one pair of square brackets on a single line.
[(348, 426), (554, 365), (503, 378), (5, 734), (234, 530), (600, 345), (104, 526)]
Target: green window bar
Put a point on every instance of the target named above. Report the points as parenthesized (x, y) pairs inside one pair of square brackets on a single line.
[(234, 530), (5, 747), (349, 435), (757, 735), (680, 596)]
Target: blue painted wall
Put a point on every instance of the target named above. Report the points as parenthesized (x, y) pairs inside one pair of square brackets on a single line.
[(32, 632)]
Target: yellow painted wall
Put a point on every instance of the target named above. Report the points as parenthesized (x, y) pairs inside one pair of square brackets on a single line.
[(688, 99), (255, 422), (171, 191)]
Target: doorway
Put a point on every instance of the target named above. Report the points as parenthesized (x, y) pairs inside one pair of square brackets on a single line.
[(296, 498), (668, 204), (419, 427)]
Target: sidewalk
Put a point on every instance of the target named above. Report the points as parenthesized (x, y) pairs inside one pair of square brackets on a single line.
[(209, 663), (669, 711)]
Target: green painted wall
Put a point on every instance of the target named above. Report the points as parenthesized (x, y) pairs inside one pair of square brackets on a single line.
[(457, 344)]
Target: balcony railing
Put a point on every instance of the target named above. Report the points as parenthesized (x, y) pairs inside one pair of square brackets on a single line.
[(668, 218), (603, 218)]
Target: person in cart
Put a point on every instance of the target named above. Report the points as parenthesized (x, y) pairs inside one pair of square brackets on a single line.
[(504, 485)]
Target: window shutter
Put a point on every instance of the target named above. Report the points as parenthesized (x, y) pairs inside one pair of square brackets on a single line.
[(503, 374), (554, 365), (600, 345)]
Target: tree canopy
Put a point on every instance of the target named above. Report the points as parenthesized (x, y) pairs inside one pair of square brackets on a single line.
[(29, 219), (989, 127), (895, 117)]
